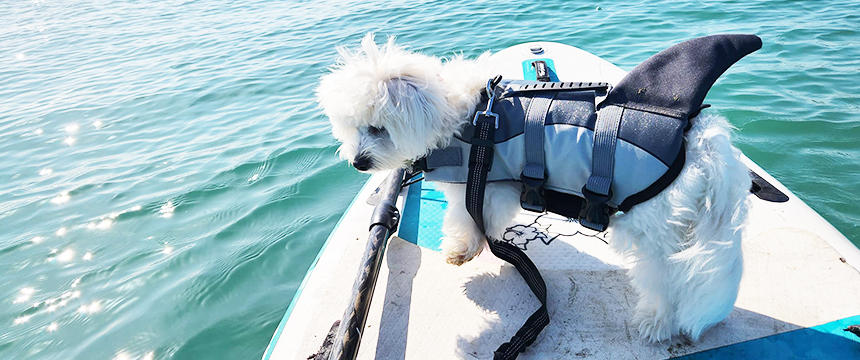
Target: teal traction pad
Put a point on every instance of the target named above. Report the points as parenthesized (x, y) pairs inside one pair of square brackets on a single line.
[(422, 216), (529, 72), (827, 341)]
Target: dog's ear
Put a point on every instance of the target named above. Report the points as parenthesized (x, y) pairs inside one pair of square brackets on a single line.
[(407, 104), (404, 98)]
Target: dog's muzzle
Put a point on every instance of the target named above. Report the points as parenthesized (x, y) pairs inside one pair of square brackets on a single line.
[(362, 162)]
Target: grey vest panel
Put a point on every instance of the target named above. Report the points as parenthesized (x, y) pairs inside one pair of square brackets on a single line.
[(568, 142)]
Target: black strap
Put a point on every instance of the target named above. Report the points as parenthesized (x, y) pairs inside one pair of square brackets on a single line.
[(527, 333), (480, 162), (541, 70)]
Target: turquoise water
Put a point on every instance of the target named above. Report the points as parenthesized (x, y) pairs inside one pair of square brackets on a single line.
[(167, 178)]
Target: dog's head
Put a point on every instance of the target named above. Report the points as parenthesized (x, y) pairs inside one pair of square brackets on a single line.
[(387, 106)]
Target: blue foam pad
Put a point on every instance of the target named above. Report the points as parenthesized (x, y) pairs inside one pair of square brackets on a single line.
[(423, 212)]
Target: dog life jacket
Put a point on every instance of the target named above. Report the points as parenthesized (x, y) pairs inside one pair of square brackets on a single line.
[(586, 160)]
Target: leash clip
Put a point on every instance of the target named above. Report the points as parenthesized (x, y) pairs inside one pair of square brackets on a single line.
[(488, 113)]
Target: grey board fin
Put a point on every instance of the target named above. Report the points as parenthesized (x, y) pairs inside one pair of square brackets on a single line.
[(674, 82)]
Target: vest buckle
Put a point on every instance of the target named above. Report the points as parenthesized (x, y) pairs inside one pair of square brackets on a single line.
[(595, 212), (532, 197)]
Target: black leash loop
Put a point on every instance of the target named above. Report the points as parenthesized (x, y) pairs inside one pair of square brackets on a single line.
[(527, 334), (480, 162)]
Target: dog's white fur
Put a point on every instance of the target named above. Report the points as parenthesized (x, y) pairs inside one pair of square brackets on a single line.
[(685, 243)]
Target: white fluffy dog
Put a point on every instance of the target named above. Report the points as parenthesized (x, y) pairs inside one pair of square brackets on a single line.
[(389, 107)]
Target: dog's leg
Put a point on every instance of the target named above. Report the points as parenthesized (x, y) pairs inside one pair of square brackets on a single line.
[(687, 269), (462, 240), (637, 237), (686, 240), (714, 192), (501, 205), (708, 294)]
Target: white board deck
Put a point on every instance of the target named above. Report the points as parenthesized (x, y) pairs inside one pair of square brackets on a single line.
[(799, 272)]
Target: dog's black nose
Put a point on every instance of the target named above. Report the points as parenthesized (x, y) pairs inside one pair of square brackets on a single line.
[(362, 162)]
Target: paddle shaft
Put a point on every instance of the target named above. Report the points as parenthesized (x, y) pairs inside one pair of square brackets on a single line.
[(383, 223)]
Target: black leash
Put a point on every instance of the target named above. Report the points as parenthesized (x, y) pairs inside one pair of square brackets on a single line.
[(480, 162)]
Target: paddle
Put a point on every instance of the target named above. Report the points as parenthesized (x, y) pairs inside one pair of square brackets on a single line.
[(383, 222)]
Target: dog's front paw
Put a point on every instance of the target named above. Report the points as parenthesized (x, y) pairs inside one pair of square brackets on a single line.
[(654, 326), (459, 251)]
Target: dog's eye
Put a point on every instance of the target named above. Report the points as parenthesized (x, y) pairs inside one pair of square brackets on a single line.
[(375, 131)]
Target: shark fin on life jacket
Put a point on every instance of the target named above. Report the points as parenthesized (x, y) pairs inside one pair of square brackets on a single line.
[(674, 82)]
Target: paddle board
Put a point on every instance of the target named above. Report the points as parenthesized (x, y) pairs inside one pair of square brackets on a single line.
[(800, 287)]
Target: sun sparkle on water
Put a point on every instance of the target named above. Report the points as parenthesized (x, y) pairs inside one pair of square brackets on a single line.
[(72, 128), (24, 294), (166, 210), (22, 319)]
